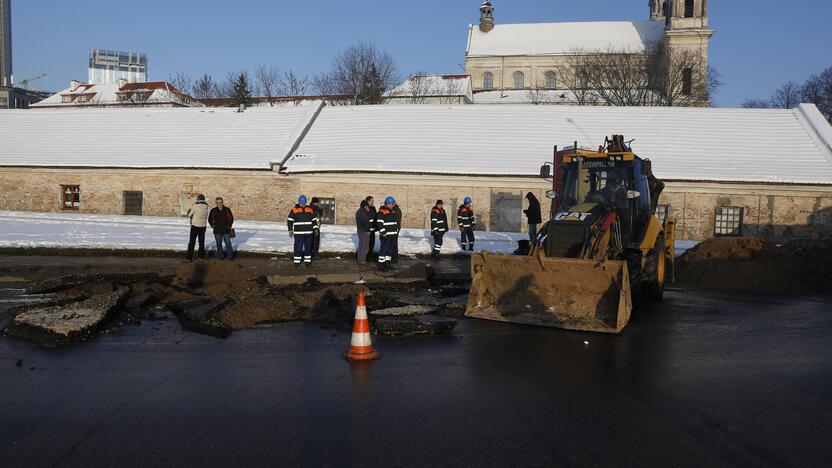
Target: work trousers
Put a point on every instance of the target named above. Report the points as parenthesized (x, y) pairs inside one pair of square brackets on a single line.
[(363, 247), (303, 248), (197, 233), (532, 232), (388, 246), (467, 239), (438, 238), (228, 252)]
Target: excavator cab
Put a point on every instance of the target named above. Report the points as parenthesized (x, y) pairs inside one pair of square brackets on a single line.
[(603, 246)]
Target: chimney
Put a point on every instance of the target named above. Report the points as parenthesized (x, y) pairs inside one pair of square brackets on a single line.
[(74, 84)]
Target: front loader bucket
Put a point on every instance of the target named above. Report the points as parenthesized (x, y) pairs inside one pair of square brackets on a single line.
[(551, 292)]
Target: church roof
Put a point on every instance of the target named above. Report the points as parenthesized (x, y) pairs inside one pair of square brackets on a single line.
[(563, 38)]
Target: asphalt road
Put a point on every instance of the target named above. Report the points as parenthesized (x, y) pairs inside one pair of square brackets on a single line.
[(707, 379)]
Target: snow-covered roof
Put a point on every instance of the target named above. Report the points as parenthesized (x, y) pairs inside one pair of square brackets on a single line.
[(433, 86), (151, 137), (741, 145), (99, 95), (564, 38), (525, 96)]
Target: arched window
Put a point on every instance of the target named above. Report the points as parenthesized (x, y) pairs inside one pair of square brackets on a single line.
[(689, 8), (687, 81), (487, 80), (664, 9), (519, 80), (551, 80)]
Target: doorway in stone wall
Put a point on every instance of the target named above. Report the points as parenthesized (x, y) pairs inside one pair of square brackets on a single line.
[(506, 212)]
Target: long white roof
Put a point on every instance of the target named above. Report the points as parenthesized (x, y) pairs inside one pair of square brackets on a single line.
[(564, 38), (151, 137), (742, 145)]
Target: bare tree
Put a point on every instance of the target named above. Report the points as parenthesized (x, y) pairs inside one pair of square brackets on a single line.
[(418, 89), (182, 82), (205, 88), (787, 96), (267, 81), (539, 95), (293, 84), (363, 72), (658, 77), (450, 90), (757, 104)]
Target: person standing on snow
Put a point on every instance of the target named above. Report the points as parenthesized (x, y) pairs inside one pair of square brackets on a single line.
[(398, 213), (222, 219), (315, 204), (388, 232), (302, 223), (363, 227), (467, 222), (198, 214), (533, 215), (373, 216), (438, 226)]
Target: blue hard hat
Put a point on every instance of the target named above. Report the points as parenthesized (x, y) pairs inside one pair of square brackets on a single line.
[(389, 201), (302, 200), (468, 200)]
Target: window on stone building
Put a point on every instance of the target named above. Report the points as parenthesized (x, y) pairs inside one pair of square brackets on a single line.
[(66, 99), (661, 212), (689, 8), (70, 197), (551, 80), (687, 81), (664, 8), (487, 80), (728, 221), (328, 210), (133, 203), (519, 80)]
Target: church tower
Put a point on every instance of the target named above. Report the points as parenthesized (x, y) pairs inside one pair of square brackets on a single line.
[(687, 37), (486, 16), (658, 10)]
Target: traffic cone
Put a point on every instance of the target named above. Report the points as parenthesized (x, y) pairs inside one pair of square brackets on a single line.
[(361, 345)]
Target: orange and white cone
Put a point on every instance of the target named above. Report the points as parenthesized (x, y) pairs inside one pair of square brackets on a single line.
[(361, 345)]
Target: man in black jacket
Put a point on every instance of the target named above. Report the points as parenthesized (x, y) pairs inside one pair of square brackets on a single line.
[(363, 227), (316, 237), (438, 226), (221, 220), (533, 215), (388, 231), (372, 214), (398, 212), (467, 222)]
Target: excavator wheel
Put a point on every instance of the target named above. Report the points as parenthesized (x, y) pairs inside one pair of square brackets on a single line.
[(652, 286)]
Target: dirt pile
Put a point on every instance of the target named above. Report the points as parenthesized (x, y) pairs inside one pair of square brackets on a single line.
[(753, 265)]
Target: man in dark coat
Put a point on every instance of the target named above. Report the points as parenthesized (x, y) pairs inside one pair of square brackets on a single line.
[(315, 204), (363, 227), (398, 212), (533, 215), (372, 214), (221, 220), (438, 226), (388, 230), (302, 223), (467, 222)]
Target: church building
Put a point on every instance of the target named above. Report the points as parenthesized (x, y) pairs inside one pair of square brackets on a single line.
[(516, 62)]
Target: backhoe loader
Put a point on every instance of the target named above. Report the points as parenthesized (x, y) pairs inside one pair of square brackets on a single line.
[(603, 247)]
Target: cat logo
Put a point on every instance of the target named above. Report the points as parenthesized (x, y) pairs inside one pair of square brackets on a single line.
[(572, 216)]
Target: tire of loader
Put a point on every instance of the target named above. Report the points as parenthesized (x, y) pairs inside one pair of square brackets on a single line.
[(652, 286)]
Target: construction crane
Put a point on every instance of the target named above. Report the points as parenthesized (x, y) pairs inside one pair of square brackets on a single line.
[(24, 83)]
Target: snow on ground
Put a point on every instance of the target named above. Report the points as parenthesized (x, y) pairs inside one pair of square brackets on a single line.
[(74, 230), (89, 231)]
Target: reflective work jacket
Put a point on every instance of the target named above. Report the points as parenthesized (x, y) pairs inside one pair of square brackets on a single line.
[(438, 220), (302, 220), (465, 218), (387, 222)]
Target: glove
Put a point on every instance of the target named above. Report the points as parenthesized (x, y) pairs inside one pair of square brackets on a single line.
[(291, 233)]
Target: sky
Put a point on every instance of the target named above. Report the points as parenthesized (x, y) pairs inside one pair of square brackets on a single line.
[(758, 45)]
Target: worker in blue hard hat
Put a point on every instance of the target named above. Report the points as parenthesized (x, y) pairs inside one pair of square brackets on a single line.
[(302, 223), (467, 222), (388, 229)]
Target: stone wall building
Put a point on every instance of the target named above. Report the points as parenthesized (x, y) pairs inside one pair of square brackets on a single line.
[(728, 171)]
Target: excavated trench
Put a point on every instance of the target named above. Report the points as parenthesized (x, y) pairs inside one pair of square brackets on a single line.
[(218, 298)]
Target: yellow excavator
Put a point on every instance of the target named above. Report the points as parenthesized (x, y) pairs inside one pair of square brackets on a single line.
[(603, 247)]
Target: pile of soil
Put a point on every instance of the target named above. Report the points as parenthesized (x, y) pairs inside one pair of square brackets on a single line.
[(754, 265)]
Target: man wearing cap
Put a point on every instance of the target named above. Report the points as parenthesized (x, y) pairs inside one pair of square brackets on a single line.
[(467, 222), (388, 230), (438, 226), (198, 214), (302, 223)]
